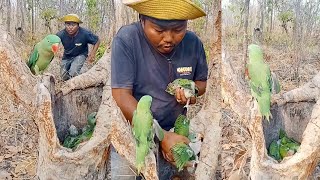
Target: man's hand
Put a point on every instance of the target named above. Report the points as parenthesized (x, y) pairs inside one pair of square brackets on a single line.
[(169, 140), (90, 58), (181, 98)]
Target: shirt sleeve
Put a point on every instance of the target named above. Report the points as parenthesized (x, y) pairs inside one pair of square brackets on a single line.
[(201, 73), (122, 65), (92, 38), (59, 34)]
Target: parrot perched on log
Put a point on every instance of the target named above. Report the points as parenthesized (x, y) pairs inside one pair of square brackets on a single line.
[(283, 147), (189, 88), (43, 53), (260, 79), (74, 139), (143, 130)]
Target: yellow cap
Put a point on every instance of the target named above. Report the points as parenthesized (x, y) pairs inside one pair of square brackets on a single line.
[(71, 18), (166, 9)]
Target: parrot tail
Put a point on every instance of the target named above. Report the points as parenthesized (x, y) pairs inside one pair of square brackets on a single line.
[(141, 153), (268, 115)]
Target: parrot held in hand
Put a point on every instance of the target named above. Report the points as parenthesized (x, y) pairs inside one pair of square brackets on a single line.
[(260, 80), (189, 88), (181, 125), (143, 130), (183, 153), (43, 53)]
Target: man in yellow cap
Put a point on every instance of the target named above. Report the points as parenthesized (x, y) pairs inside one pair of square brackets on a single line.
[(75, 40), (149, 54)]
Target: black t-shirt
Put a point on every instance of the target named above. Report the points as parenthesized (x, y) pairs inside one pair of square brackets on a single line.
[(136, 65), (76, 45)]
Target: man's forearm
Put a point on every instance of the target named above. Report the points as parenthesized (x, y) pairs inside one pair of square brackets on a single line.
[(95, 47), (201, 87), (126, 102)]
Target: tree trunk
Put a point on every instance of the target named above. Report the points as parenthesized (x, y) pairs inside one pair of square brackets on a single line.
[(8, 15), (297, 36), (245, 33), (271, 16), (32, 18)]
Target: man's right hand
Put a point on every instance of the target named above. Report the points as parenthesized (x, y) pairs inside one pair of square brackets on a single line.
[(169, 140)]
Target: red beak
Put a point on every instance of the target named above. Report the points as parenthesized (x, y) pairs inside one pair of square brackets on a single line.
[(55, 48)]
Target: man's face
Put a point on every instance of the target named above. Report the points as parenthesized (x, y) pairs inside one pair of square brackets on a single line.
[(71, 27), (164, 39)]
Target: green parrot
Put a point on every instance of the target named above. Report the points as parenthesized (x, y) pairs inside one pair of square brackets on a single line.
[(283, 147), (260, 80), (73, 140), (182, 153), (189, 88), (143, 130), (274, 150), (181, 125), (288, 146), (43, 53)]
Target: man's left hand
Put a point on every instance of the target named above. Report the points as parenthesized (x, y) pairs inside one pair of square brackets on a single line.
[(169, 140), (181, 98)]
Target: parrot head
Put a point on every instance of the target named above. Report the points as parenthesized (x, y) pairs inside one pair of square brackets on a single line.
[(144, 102), (195, 137), (52, 42), (92, 118), (189, 87), (255, 52)]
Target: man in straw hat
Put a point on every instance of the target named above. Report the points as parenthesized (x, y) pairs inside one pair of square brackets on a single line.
[(75, 40), (149, 54)]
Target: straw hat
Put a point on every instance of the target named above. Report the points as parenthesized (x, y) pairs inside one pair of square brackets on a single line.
[(71, 18), (166, 9)]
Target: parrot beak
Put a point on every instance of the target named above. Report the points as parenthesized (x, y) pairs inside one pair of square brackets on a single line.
[(55, 48)]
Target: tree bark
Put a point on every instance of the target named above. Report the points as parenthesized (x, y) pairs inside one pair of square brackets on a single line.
[(9, 15), (245, 33)]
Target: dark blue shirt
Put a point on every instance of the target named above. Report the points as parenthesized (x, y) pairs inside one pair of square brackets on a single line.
[(78, 44), (136, 65)]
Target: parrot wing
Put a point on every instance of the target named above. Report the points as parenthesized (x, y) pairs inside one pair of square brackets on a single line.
[(182, 154), (181, 125), (34, 57), (274, 150), (158, 130), (255, 89)]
